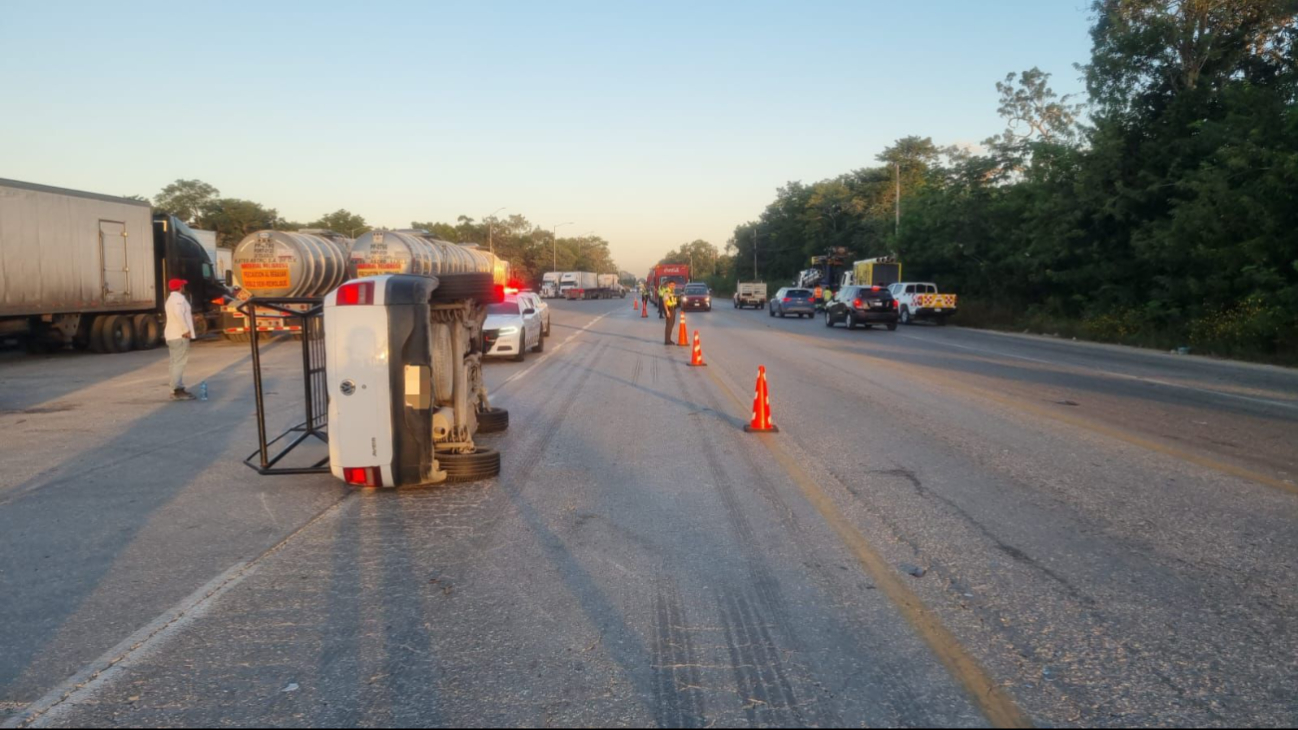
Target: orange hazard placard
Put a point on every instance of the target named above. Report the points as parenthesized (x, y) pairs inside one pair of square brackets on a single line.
[(264, 276), (379, 269)]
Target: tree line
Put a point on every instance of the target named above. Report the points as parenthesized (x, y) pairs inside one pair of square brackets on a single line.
[(1160, 210), (530, 249)]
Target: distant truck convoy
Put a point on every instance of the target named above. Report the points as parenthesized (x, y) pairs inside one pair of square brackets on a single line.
[(91, 270), (661, 274), (750, 294), (918, 300)]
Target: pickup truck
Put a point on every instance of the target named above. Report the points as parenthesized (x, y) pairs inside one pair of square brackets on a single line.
[(750, 294), (918, 300)]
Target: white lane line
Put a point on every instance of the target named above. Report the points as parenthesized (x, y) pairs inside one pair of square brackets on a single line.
[(519, 375), (99, 674), (1142, 379)]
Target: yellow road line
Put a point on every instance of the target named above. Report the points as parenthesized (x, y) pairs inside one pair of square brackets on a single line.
[(996, 705)]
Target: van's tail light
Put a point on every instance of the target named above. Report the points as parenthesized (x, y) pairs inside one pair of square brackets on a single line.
[(856, 303), (356, 292), (894, 304), (785, 300), (363, 476)]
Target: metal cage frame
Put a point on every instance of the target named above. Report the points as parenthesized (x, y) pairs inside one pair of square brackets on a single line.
[(315, 388)]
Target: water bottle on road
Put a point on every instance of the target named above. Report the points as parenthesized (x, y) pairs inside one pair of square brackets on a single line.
[(202, 390)]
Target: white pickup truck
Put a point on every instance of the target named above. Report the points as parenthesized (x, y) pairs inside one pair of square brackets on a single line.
[(920, 300), (750, 294)]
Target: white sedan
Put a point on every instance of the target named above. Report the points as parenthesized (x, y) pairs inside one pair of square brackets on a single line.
[(512, 327), (542, 310)]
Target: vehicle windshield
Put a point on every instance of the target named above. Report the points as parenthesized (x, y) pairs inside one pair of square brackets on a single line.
[(510, 307), (696, 289)]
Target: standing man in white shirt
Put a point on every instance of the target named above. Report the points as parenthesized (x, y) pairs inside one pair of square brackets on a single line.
[(180, 330)]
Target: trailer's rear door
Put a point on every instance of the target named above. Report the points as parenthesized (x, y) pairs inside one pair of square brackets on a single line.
[(112, 254)]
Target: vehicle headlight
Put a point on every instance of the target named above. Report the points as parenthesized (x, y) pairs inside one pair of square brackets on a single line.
[(508, 330)]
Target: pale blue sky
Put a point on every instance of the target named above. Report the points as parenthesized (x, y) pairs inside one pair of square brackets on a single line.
[(651, 124)]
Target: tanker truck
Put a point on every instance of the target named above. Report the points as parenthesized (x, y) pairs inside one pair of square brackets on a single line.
[(418, 252), (282, 264), (91, 270)]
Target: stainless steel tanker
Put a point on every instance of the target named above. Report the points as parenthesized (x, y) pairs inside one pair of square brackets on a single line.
[(289, 264), (418, 252), (279, 264)]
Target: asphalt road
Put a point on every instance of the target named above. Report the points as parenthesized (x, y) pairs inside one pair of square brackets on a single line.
[(951, 528)]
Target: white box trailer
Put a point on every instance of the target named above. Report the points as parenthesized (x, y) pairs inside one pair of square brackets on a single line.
[(92, 269)]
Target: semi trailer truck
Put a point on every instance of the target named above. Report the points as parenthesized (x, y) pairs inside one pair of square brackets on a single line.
[(90, 270)]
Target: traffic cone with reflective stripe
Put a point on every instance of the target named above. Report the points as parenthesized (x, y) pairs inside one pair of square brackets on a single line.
[(683, 337), (696, 360), (635, 303), (761, 406), (644, 311)]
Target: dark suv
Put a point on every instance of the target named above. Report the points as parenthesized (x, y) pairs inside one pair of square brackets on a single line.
[(862, 305)]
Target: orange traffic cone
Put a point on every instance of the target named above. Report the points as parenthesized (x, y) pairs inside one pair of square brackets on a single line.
[(644, 311), (683, 337), (635, 303), (761, 406), (696, 360)]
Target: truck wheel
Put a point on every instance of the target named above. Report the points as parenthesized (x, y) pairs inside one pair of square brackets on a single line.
[(118, 334), (455, 287), (481, 464), (905, 315), (493, 420), (148, 332), (96, 339)]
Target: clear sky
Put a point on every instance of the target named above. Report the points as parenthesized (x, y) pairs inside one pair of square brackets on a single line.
[(650, 123)]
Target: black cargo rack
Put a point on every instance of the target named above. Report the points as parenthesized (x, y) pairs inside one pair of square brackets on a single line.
[(315, 388)]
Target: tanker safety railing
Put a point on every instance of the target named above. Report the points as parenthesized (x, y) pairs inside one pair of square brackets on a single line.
[(315, 391)]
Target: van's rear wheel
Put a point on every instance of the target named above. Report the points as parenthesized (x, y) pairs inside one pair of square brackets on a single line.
[(481, 464), (493, 420)]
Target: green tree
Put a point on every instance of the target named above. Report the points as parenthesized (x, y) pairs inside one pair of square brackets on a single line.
[(186, 199), (341, 221), (232, 219)]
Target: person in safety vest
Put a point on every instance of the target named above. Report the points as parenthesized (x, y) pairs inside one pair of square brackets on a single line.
[(668, 302), (662, 294)]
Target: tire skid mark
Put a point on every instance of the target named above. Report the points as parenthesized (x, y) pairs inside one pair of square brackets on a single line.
[(765, 692), (768, 681), (678, 690)]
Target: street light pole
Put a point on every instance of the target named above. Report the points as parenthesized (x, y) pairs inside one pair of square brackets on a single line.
[(897, 228), (554, 242), (754, 253), (491, 246)]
